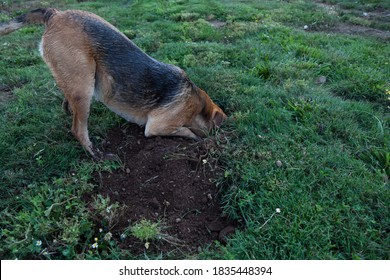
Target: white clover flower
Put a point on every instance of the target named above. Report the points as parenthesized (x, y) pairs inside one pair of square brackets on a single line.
[(38, 243), (95, 245), (108, 236)]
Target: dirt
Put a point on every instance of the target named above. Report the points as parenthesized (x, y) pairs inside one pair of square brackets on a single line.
[(6, 95), (350, 29), (168, 180), (353, 29), (217, 23)]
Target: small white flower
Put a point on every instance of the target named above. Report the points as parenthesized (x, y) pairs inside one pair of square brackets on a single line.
[(100, 230), (108, 236), (38, 243), (204, 161), (277, 210), (95, 245)]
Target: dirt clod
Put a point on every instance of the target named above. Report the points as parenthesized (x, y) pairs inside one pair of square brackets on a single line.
[(224, 234)]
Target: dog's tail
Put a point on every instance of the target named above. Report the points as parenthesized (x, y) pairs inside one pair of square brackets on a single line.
[(38, 16)]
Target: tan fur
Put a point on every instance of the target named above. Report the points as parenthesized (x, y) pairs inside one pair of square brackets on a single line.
[(67, 50)]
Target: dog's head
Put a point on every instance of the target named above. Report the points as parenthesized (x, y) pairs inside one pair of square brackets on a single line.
[(208, 116)]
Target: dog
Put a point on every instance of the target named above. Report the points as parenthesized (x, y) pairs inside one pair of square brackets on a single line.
[(88, 57)]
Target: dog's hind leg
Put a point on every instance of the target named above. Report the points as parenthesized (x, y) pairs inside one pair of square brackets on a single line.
[(75, 76), (65, 107), (79, 102)]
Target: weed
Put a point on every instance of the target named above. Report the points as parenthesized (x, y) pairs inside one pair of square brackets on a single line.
[(105, 212), (300, 107), (146, 230)]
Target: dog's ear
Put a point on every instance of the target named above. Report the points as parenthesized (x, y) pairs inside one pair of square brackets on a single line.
[(218, 117)]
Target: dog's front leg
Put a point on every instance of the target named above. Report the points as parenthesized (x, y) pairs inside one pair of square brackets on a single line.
[(154, 128)]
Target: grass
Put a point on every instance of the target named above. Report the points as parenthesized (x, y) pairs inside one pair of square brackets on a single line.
[(319, 151)]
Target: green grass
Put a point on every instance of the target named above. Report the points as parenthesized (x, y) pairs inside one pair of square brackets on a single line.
[(319, 151)]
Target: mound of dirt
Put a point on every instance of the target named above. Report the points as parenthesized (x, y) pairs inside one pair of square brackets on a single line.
[(167, 180)]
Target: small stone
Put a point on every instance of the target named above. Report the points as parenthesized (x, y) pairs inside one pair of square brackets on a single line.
[(320, 80), (224, 215), (223, 234), (216, 225), (279, 163), (155, 204)]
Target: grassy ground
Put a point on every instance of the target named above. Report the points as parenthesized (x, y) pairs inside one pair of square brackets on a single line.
[(308, 119)]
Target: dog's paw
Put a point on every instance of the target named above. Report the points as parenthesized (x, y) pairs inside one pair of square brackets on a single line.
[(96, 154)]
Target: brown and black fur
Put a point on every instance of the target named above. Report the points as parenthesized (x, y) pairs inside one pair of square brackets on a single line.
[(89, 57)]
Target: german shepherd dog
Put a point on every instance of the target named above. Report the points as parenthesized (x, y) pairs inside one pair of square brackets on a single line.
[(90, 57)]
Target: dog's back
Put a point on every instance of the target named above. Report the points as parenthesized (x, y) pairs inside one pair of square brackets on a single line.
[(138, 79)]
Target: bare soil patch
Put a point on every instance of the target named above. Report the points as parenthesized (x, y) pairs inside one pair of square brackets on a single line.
[(5, 93), (379, 15), (217, 23), (165, 179), (360, 30)]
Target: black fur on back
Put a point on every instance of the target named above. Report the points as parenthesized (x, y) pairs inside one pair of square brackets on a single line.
[(138, 78)]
